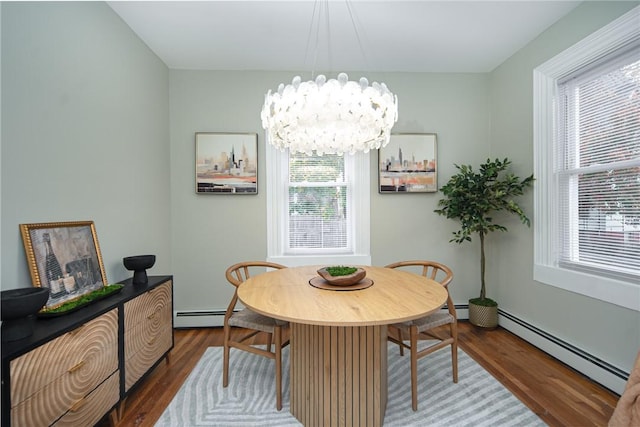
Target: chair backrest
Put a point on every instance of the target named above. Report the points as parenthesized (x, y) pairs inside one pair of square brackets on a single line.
[(238, 273), (432, 270)]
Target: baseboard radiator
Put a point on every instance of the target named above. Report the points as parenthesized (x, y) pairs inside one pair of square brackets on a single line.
[(198, 319), (589, 365), (592, 367)]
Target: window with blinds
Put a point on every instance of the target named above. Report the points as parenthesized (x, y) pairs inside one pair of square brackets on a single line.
[(318, 211), (586, 141), (597, 164), (318, 208)]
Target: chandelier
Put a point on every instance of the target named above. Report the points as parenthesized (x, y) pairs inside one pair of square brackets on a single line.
[(332, 116), (329, 117)]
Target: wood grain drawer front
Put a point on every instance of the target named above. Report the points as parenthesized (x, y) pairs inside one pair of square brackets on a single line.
[(88, 411), (51, 379), (139, 363), (148, 332), (144, 307), (81, 358)]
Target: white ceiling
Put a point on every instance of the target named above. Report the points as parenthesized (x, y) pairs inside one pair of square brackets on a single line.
[(390, 35)]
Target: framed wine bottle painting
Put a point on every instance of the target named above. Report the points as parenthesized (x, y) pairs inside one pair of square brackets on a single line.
[(64, 257)]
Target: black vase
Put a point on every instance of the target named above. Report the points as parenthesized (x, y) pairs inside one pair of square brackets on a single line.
[(139, 265)]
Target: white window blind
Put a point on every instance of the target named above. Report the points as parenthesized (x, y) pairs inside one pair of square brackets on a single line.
[(318, 211), (318, 208), (586, 140), (598, 167)]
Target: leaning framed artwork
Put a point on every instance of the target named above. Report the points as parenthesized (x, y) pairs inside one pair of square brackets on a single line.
[(226, 163), (64, 257), (408, 164)]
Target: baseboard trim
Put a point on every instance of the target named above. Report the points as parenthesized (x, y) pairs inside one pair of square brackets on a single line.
[(598, 370)]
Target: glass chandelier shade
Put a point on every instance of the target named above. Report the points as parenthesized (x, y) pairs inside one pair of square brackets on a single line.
[(332, 117)]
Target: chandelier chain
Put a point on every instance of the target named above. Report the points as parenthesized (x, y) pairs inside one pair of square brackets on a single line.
[(355, 30)]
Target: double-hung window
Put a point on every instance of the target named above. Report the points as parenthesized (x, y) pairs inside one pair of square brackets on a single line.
[(318, 208), (587, 145)]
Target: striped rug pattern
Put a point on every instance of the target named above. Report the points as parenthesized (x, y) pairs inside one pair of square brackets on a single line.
[(477, 399)]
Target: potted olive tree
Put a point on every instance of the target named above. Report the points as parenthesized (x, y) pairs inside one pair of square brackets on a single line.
[(471, 198)]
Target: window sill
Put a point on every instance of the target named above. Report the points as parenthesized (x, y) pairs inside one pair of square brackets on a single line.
[(300, 260), (609, 290)]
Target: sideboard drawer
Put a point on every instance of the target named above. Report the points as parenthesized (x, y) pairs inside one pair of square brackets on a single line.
[(88, 411), (148, 331), (140, 336), (137, 364), (143, 308), (49, 380)]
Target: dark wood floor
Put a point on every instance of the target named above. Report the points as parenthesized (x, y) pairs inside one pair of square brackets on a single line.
[(557, 393)]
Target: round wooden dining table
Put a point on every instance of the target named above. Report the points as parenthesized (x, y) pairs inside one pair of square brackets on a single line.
[(338, 342)]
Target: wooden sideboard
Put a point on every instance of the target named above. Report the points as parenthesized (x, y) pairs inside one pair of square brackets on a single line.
[(78, 367)]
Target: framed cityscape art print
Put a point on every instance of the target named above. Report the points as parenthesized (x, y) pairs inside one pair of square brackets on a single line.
[(226, 163), (64, 257), (408, 164)]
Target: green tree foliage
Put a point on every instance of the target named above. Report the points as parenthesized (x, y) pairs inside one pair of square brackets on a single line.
[(472, 197)]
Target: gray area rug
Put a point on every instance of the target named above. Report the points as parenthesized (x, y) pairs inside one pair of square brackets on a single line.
[(477, 399)]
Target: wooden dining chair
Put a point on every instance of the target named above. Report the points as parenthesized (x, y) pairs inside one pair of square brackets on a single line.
[(428, 327), (252, 323)]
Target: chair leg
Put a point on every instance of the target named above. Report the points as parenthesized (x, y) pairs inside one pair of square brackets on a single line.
[(396, 336), (454, 351), (225, 364), (278, 350), (269, 340), (413, 335), (400, 345)]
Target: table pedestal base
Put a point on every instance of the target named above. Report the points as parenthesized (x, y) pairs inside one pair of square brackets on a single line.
[(338, 375)]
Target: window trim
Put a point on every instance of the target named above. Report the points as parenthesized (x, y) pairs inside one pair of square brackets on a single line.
[(277, 192), (617, 35)]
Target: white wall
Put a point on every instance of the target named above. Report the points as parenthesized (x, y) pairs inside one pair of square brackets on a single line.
[(85, 131), (212, 232), (606, 331)]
